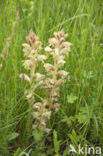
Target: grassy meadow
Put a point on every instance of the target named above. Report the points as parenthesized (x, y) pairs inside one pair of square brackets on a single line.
[(79, 119)]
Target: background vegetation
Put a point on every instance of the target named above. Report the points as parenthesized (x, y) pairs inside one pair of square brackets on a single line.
[(80, 118)]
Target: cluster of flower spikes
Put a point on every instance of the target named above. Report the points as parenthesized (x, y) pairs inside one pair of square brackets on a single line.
[(41, 111), (57, 48)]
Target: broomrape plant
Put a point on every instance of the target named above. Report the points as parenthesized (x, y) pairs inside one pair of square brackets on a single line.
[(51, 81), (55, 76)]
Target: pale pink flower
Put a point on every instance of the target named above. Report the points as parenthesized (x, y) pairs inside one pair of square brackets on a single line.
[(60, 34), (31, 38), (60, 63), (46, 115), (48, 49), (66, 44), (27, 64), (48, 67), (26, 77), (53, 42), (63, 73), (40, 83), (29, 96), (56, 50), (39, 76), (26, 46), (41, 57)]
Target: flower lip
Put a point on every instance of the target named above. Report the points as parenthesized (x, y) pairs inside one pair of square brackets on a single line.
[(60, 35), (48, 49)]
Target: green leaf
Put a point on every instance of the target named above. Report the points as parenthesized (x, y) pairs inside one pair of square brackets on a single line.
[(68, 120), (12, 136), (84, 116), (71, 98), (74, 137), (18, 151), (66, 151), (56, 142), (37, 134)]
